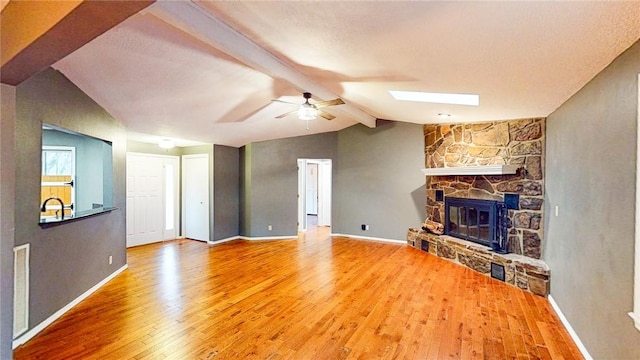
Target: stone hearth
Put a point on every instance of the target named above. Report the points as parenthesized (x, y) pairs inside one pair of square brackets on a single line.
[(524, 272)]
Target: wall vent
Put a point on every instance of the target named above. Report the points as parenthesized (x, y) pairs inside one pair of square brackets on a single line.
[(497, 271), (20, 289)]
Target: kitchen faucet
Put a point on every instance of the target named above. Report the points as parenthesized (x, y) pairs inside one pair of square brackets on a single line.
[(44, 206)]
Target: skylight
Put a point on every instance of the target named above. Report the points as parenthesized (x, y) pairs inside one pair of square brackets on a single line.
[(439, 98)]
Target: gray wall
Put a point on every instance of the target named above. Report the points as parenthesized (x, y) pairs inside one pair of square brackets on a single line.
[(7, 222), (370, 185), (378, 181), (590, 167), (270, 184), (226, 187), (68, 259)]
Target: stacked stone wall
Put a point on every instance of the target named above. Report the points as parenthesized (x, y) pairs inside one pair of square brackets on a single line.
[(519, 142)]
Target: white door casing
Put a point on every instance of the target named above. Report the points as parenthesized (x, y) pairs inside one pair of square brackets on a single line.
[(302, 207), (635, 313)]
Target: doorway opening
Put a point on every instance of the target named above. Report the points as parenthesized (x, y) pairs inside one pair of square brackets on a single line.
[(314, 193)]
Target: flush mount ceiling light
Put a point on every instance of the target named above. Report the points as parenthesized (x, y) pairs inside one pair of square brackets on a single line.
[(166, 144), (438, 98)]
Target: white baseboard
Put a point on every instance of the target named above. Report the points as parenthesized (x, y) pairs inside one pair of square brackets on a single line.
[(262, 238), (359, 237), (636, 319), (570, 330), (224, 240), (48, 321)]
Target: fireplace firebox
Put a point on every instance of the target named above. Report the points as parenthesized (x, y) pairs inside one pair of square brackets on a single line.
[(480, 221)]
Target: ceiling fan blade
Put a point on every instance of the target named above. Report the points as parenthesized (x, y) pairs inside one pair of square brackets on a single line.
[(286, 102), (333, 102), (286, 114), (326, 115)]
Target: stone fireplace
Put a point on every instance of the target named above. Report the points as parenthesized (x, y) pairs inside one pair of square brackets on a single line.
[(516, 143)]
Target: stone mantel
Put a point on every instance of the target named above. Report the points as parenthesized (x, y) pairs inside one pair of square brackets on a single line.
[(472, 170)]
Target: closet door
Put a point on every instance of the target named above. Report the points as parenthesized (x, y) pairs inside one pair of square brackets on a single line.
[(195, 196)]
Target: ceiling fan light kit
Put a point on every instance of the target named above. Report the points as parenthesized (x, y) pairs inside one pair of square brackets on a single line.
[(308, 111)]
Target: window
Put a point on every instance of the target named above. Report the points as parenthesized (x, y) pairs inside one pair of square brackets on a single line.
[(58, 174)]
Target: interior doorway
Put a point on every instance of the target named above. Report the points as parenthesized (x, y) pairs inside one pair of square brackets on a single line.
[(314, 193)]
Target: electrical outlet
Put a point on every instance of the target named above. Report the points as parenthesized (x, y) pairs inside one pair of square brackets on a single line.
[(366, 227), (110, 259), (270, 227)]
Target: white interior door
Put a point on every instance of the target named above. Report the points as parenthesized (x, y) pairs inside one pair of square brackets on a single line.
[(195, 196), (144, 199), (312, 189)]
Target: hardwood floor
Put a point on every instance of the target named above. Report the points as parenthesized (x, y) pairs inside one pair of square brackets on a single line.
[(311, 298)]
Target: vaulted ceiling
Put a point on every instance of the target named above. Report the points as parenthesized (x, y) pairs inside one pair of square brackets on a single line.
[(208, 70)]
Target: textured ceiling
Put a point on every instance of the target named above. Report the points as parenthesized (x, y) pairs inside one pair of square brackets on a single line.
[(170, 72)]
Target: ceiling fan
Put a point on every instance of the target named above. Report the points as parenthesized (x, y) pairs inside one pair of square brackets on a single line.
[(309, 111)]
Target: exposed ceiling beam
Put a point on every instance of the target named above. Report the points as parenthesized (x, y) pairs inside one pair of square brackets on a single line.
[(36, 34), (198, 22)]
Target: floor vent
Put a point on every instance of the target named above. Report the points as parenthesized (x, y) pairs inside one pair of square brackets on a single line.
[(20, 289), (497, 271)]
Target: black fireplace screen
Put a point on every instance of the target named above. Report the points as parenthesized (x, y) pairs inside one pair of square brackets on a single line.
[(480, 221)]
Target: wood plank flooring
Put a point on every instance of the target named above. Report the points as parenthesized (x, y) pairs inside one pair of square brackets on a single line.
[(310, 298)]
